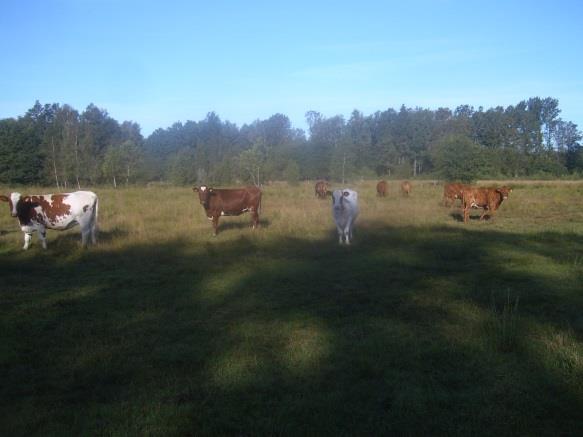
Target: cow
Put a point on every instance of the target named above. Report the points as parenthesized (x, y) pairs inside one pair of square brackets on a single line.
[(321, 189), (344, 210), (55, 211), (405, 188), (228, 202), (451, 192), (488, 198), (382, 188)]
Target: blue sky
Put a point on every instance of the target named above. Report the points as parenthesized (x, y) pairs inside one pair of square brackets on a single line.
[(158, 62)]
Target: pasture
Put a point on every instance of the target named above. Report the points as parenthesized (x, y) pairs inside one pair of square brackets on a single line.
[(424, 326)]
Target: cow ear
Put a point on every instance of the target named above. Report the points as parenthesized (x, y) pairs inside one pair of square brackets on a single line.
[(4, 198), (211, 190), (346, 194), (195, 189)]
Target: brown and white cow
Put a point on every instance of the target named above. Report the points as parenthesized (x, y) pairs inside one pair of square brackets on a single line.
[(382, 188), (321, 189), (229, 202), (451, 192), (55, 211), (488, 198), (406, 188)]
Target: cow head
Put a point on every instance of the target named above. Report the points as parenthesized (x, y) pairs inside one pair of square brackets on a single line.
[(504, 191), (204, 193), (338, 199)]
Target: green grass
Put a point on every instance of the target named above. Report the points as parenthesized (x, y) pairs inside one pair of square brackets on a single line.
[(163, 329)]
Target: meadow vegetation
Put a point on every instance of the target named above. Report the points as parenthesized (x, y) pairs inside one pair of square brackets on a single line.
[(424, 326)]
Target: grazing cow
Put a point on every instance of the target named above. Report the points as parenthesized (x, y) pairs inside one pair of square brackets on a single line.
[(344, 210), (405, 188), (55, 211), (382, 188), (488, 198), (451, 192), (321, 189), (228, 202)]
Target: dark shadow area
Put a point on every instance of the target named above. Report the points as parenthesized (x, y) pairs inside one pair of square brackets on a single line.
[(395, 334)]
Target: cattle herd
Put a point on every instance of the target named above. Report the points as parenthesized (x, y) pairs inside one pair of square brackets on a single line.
[(37, 213)]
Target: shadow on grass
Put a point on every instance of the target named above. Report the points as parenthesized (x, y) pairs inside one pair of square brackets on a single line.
[(393, 335)]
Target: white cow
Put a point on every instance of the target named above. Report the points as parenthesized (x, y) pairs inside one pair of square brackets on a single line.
[(55, 211), (345, 210)]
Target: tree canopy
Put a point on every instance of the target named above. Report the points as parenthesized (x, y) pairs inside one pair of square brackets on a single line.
[(56, 144)]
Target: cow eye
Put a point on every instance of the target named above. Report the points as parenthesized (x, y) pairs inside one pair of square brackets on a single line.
[(346, 194)]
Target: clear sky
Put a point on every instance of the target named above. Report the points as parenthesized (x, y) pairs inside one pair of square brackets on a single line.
[(158, 62)]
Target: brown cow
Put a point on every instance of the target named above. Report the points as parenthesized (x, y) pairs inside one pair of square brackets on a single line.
[(228, 202), (382, 188), (321, 189), (488, 198), (405, 188), (451, 192)]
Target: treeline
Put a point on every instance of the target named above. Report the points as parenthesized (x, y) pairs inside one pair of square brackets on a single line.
[(54, 144)]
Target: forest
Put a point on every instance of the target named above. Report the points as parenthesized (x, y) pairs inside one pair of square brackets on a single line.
[(55, 144)]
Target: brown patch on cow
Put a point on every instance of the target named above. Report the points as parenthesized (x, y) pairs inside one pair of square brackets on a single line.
[(54, 209), (382, 188)]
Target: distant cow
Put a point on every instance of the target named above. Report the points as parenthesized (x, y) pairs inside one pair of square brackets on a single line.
[(488, 198), (55, 211), (229, 202), (405, 188), (344, 210), (382, 188), (451, 192), (321, 189)]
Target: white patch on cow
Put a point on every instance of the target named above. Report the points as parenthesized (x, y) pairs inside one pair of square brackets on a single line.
[(202, 188)]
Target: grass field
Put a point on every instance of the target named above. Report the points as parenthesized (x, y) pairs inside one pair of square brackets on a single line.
[(424, 326)]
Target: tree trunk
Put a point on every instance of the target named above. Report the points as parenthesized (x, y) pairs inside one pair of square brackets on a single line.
[(55, 164), (114, 183), (77, 162)]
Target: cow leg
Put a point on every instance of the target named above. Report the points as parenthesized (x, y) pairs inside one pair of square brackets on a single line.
[(215, 224), (85, 233), (466, 213), (255, 217), (27, 238), (94, 234), (340, 232), (484, 213), (42, 235)]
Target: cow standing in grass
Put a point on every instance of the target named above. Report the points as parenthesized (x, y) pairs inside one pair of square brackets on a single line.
[(321, 189), (344, 210), (55, 211), (488, 198), (406, 188), (382, 188), (451, 192), (229, 202)]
